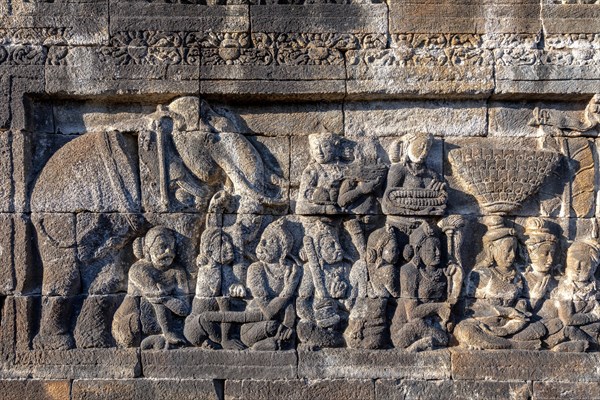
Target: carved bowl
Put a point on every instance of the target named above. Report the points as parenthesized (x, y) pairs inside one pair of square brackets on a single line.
[(501, 179)]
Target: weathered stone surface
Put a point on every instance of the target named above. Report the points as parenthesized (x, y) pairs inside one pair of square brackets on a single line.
[(431, 389), (74, 22), (523, 366), (565, 390), (299, 389), (223, 364), (36, 389), (439, 118), (319, 18), (291, 119), (145, 16), (373, 364), (138, 389), (464, 16), (76, 364), (570, 18)]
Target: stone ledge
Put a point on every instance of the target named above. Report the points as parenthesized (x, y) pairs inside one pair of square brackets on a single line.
[(219, 364), (299, 389), (456, 390), (142, 389), (522, 365), (373, 364), (74, 364)]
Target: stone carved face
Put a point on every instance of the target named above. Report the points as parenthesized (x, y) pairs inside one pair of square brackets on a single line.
[(269, 249), (330, 249), (418, 148), (390, 252), (542, 256), (504, 252), (162, 251), (322, 148), (581, 266), (430, 253)]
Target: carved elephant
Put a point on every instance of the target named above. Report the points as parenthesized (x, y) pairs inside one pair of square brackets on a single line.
[(88, 202)]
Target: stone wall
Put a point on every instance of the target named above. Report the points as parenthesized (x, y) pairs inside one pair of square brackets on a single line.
[(250, 199)]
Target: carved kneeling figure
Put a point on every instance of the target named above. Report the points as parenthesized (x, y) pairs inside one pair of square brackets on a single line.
[(576, 298), (422, 313), (272, 281), (157, 296), (497, 315), (211, 322)]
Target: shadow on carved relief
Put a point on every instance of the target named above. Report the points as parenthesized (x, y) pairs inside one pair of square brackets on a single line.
[(176, 230)]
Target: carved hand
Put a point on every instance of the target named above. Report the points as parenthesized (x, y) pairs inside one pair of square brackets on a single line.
[(237, 290)]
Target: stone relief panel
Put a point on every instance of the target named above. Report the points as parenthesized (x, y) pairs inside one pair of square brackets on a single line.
[(190, 223)]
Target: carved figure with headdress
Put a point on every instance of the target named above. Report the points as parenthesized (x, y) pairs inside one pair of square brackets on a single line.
[(216, 287), (576, 298), (374, 280), (412, 188), (324, 291), (272, 282), (423, 313), (152, 313), (497, 315)]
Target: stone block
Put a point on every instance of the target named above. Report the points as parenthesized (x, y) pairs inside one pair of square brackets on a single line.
[(440, 118), (522, 365), (458, 390), (285, 119), (141, 389), (571, 18), (426, 16), (276, 90), (35, 389), (76, 364), (74, 22), (128, 70), (319, 18), (195, 363), (373, 364), (401, 73), (565, 390), (299, 389), (131, 16)]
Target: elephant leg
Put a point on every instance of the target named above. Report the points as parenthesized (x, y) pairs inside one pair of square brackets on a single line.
[(61, 279)]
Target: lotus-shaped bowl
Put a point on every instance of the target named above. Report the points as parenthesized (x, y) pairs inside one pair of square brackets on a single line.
[(501, 179)]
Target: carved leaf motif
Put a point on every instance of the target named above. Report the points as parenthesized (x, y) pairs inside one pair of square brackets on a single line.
[(582, 186)]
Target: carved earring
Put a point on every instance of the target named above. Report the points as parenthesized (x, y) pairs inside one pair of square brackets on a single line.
[(371, 255), (138, 248)]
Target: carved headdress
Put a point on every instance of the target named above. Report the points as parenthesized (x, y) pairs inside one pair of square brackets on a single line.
[(142, 244), (378, 239), (417, 239), (537, 232)]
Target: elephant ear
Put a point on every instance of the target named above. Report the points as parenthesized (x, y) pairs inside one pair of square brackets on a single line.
[(216, 122)]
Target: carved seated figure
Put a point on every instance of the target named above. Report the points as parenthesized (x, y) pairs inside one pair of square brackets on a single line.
[(411, 187), (272, 282), (422, 313), (211, 322), (322, 177), (374, 280), (324, 291), (539, 279), (497, 315), (157, 295), (576, 298)]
